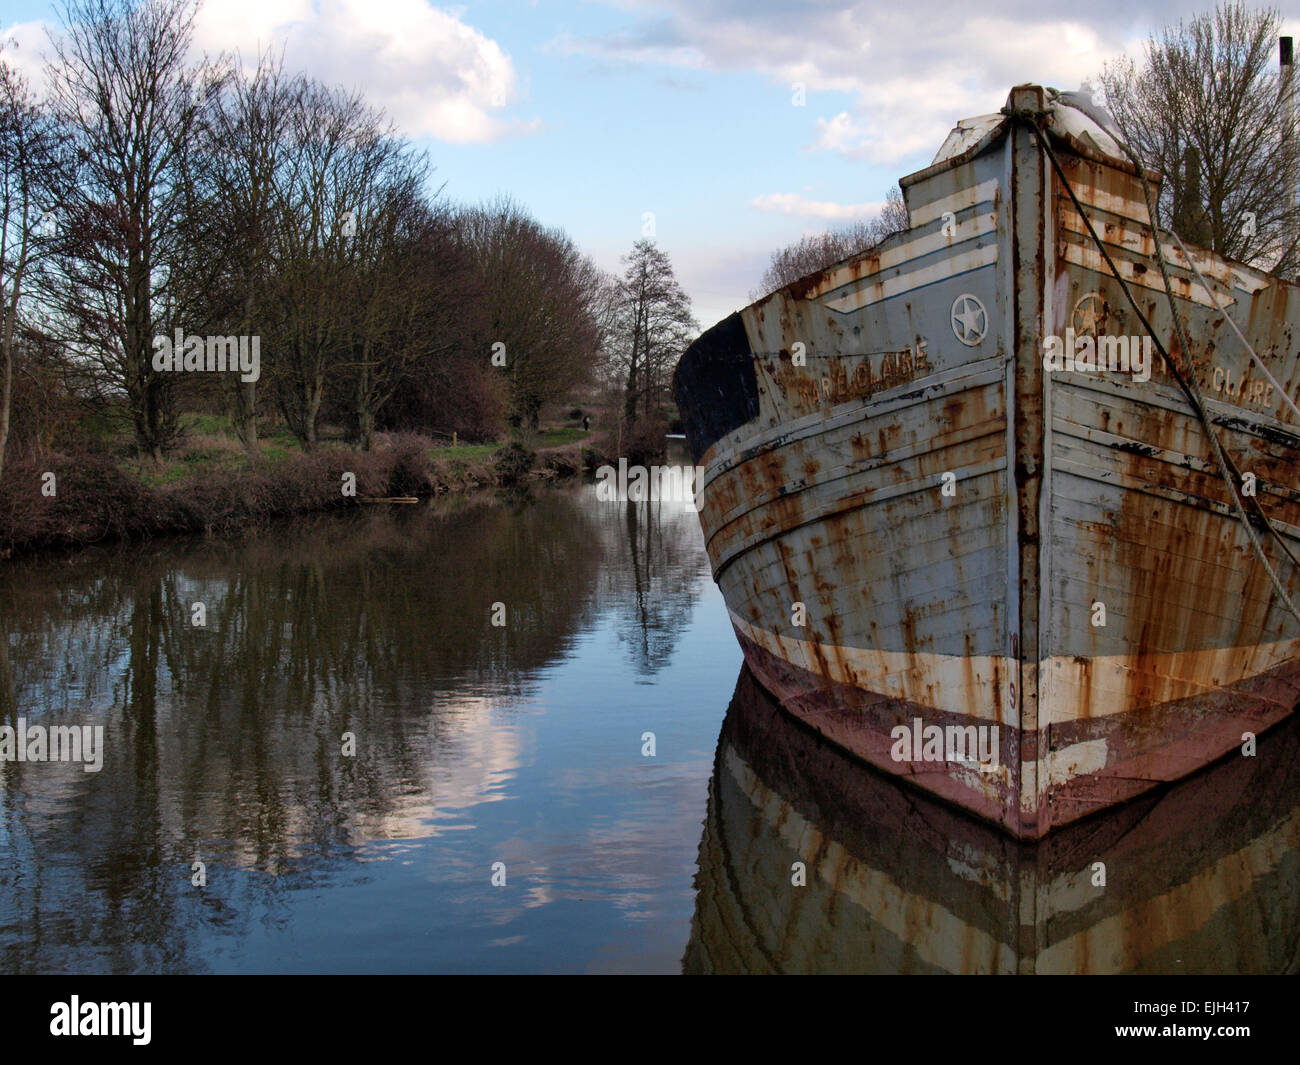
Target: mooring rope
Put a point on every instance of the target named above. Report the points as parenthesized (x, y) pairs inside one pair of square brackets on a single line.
[(1267, 374), (1228, 318), (1227, 468), (1153, 218)]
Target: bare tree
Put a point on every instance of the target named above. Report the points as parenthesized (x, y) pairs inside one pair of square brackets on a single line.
[(654, 326), (606, 302), (31, 182), (338, 153), (537, 290), (1204, 108), (232, 216), (893, 217), (121, 85), (817, 251), (411, 291)]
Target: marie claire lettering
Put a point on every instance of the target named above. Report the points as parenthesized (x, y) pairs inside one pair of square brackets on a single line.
[(1227, 384), (838, 378)]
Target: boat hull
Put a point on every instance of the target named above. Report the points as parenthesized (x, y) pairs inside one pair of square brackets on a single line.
[(807, 864), (920, 528)]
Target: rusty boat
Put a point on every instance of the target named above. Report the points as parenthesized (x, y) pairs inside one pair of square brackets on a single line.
[(958, 549), (1196, 878)]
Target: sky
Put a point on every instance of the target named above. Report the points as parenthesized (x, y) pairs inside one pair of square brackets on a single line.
[(725, 129)]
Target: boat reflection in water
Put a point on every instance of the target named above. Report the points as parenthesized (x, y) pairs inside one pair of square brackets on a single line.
[(1201, 877)]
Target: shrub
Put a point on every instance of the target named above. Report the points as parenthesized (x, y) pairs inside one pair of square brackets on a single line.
[(644, 442), (410, 474), (562, 461), (512, 463)]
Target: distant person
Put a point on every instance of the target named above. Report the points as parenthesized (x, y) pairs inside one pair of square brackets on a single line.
[(586, 423)]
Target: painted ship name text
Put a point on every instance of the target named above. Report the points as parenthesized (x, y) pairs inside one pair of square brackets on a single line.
[(874, 372)]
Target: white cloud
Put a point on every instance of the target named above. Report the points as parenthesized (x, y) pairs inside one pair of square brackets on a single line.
[(792, 203), (912, 70), (24, 46), (840, 134), (246, 25), (859, 139), (433, 73)]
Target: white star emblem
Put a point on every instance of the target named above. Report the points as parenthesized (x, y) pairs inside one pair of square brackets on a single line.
[(1089, 313), (969, 320)]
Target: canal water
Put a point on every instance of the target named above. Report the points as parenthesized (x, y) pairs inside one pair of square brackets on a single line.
[(348, 767), (475, 744)]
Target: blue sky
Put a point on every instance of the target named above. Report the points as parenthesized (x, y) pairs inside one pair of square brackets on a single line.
[(593, 113)]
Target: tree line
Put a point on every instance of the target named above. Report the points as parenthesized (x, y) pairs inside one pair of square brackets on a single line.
[(146, 195)]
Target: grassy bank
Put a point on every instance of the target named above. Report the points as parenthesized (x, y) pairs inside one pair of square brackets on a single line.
[(70, 498)]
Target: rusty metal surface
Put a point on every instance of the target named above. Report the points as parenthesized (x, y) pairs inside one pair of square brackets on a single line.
[(898, 883), (923, 357), (1197, 648)]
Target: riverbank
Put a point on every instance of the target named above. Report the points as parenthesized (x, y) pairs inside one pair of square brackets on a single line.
[(75, 498)]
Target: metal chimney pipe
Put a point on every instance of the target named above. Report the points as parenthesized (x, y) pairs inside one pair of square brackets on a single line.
[(1286, 80), (1286, 94)]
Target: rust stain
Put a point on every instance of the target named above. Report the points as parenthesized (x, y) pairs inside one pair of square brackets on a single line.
[(1136, 504)]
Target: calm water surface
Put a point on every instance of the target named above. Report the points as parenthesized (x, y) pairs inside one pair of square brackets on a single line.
[(743, 845), (475, 744)]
